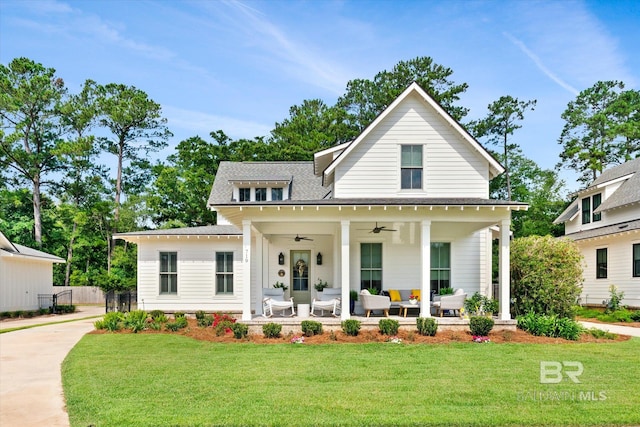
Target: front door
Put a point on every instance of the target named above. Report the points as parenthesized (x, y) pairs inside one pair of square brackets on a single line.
[(300, 277)]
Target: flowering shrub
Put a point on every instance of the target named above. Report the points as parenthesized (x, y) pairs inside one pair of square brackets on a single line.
[(222, 323), (394, 339), (480, 339), (297, 339)]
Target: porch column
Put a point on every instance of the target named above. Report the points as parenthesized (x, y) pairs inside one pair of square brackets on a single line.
[(246, 270), (259, 271), (344, 268), (425, 252), (505, 267)]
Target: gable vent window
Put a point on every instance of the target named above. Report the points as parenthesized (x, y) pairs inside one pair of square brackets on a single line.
[(411, 167)]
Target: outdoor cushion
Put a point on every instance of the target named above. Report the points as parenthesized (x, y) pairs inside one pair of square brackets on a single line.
[(394, 295), (416, 293)]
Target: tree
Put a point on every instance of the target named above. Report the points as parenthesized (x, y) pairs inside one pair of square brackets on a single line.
[(500, 124), (29, 98), (137, 125), (546, 275), (365, 99), (626, 116), (590, 130)]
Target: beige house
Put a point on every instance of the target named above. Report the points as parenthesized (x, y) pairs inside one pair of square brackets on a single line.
[(403, 206), (24, 273), (604, 220)]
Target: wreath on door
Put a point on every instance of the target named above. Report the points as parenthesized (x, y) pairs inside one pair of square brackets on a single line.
[(301, 266)]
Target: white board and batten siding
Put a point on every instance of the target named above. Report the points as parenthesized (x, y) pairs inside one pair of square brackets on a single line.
[(452, 168), (196, 269), (619, 270), (21, 280)]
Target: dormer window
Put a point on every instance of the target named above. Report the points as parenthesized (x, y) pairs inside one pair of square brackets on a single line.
[(276, 194), (261, 194), (587, 204), (411, 167), (245, 194), (597, 200), (586, 210)]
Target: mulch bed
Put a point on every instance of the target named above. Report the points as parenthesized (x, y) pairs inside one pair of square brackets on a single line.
[(367, 336)]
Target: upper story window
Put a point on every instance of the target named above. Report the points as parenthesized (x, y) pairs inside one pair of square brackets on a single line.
[(411, 167), (245, 194), (276, 194), (597, 200), (261, 194), (586, 210)]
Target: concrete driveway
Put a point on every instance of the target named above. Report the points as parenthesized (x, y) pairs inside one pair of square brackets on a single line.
[(616, 329), (30, 360)]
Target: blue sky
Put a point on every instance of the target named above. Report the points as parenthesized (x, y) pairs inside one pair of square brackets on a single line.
[(239, 66)]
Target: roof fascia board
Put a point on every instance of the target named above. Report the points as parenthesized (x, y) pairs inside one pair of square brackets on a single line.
[(580, 193), (414, 87)]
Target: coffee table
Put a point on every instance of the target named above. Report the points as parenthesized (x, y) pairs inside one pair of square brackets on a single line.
[(406, 306)]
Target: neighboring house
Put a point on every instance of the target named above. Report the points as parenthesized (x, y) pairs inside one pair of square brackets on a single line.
[(403, 206), (604, 220), (24, 273)]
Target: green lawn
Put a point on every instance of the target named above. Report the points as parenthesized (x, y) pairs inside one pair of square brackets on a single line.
[(170, 380)]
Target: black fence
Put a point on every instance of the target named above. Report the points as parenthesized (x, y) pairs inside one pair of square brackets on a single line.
[(123, 301), (53, 301)]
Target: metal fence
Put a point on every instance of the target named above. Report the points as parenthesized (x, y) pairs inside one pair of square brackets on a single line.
[(53, 301), (120, 301)]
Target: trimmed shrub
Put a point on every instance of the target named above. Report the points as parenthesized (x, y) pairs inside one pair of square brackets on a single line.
[(271, 330), (222, 323), (427, 326), (179, 323), (203, 319), (311, 328), (240, 330), (351, 327), (550, 326), (480, 326), (389, 326), (546, 275)]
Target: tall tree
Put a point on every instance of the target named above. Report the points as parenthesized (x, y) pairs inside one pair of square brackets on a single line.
[(588, 135), (365, 99), (29, 98), (626, 116), (137, 126), (502, 121)]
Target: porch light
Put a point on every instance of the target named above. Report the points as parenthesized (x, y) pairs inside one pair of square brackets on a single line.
[(319, 259), (281, 259)]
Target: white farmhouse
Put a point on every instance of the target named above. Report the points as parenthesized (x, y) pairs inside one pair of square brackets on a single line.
[(604, 220), (24, 273), (405, 205)]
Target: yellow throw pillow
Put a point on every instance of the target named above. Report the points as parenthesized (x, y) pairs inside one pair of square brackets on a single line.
[(416, 292), (395, 295)]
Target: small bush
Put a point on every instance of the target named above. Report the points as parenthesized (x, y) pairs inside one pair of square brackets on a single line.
[(204, 321), (156, 326), (135, 320), (615, 298), (480, 326), (154, 314), (179, 314), (179, 323), (66, 308), (620, 315), (351, 327), (389, 326), (599, 333), (550, 326), (240, 330), (635, 316), (427, 326), (311, 328), (589, 313), (112, 321), (160, 318), (271, 330), (99, 324), (222, 323)]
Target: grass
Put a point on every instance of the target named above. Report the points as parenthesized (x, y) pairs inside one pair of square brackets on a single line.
[(170, 380), (19, 328)]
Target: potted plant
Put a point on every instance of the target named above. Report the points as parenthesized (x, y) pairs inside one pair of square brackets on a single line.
[(320, 285), (278, 285), (353, 297), (373, 291), (446, 291)]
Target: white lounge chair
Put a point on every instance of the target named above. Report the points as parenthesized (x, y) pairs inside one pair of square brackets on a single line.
[(330, 301), (451, 302), (374, 302), (273, 300)]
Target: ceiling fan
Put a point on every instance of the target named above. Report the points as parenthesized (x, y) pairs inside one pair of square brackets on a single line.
[(377, 229), (299, 238)]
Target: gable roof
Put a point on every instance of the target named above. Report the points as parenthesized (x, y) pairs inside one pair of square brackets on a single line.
[(621, 228), (13, 249), (495, 167), (206, 230), (298, 176)]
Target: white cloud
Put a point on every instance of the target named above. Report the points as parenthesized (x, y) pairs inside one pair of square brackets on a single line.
[(199, 123)]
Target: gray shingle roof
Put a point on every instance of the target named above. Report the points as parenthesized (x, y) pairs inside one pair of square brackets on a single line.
[(387, 202), (626, 194), (207, 230), (618, 171), (604, 231), (568, 213), (304, 184)]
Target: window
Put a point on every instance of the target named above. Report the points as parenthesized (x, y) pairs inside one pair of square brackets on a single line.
[(601, 263), (261, 194), (440, 266), (224, 272), (597, 199), (371, 266), (276, 194), (411, 167), (586, 210), (245, 194), (636, 260), (168, 272)]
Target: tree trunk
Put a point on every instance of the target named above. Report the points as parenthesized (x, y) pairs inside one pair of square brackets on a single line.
[(37, 206), (67, 274), (116, 213), (506, 168)]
